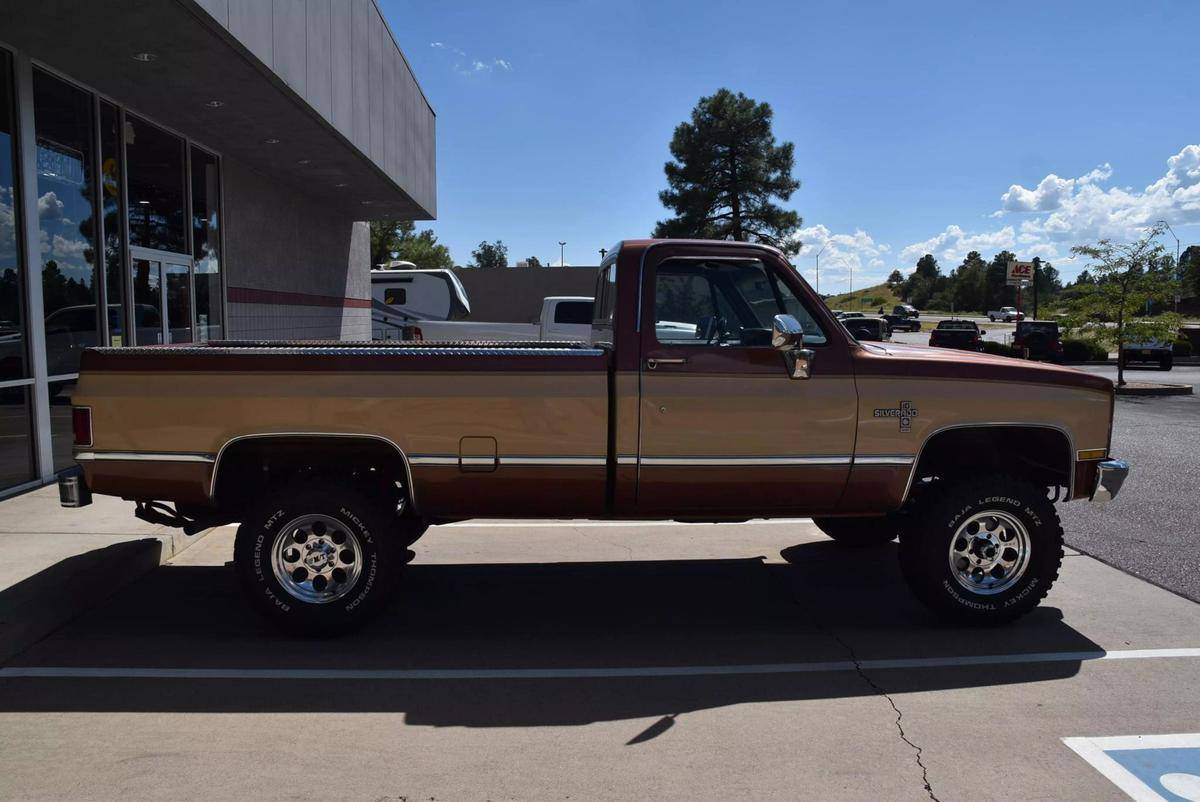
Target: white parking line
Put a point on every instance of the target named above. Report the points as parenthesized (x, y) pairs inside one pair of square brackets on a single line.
[(83, 672), (630, 524)]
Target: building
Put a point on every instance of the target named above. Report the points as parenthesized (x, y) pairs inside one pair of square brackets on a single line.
[(177, 171)]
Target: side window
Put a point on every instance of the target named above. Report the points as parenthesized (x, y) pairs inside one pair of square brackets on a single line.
[(724, 303), (606, 296), (578, 313)]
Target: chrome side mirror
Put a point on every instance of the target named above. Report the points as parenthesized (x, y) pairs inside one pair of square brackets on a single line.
[(788, 336)]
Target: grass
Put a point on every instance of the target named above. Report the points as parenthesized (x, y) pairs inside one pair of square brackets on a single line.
[(864, 299)]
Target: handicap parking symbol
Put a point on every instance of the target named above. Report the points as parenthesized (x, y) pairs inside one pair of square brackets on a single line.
[(1149, 768)]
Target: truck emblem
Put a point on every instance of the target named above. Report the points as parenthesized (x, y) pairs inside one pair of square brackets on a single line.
[(905, 412)]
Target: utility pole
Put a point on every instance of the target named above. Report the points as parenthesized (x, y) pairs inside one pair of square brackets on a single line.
[(562, 253), (1037, 267)]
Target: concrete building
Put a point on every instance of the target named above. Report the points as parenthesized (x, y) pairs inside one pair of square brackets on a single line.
[(177, 171)]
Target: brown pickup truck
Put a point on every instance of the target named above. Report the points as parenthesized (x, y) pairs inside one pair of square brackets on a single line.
[(716, 387)]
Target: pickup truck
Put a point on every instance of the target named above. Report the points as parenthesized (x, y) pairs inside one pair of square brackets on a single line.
[(965, 335), (334, 457), (903, 322), (1008, 314)]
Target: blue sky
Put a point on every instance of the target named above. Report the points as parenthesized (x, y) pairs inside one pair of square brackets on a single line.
[(918, 126)]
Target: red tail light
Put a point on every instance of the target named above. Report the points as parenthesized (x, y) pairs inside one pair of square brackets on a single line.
[(417, 335), (81, 422)]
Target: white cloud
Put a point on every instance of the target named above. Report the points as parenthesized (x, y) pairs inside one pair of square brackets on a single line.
[(67, 249), (8, 226), (50, 207), (1061, 212), (843, 253), (463, 64)]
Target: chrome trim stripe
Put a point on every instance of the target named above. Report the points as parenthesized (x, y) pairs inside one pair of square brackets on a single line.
[(884, 459), (577, 461), (718, 462), (143, 456), (627, 459), (450, 459), (428, 459)]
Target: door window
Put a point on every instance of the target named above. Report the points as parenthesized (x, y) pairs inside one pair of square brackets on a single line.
[(724, 303)]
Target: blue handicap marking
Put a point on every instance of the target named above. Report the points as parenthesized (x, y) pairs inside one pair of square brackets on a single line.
[(1149, 768)]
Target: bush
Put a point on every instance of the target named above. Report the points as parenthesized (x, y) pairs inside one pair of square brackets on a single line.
[(1000, 349), (1083, 351), (1182, 347)]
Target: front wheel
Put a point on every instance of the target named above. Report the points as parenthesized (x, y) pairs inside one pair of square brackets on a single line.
[(985, 551), (859, 532), (319, 560)]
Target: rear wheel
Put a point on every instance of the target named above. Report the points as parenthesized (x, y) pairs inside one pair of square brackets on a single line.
[(985, 551), (321, 559), (860, 532)]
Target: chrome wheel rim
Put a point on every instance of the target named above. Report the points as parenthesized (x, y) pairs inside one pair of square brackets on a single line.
[(316, 559), (990, 552)]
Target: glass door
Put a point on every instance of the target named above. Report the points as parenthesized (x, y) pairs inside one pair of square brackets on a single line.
[(177, 302), (147, 302)]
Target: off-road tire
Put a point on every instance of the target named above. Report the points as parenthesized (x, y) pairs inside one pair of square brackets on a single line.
[(932, 526), (381, 539), (860, 532)]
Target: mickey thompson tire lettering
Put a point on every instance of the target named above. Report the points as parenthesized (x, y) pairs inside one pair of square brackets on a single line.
[(382, 560), (930, 529)]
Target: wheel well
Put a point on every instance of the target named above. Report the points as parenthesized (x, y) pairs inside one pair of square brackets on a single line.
[(248, 467), (1039, 454)]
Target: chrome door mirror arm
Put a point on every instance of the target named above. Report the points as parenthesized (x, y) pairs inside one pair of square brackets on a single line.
[(787, 336)]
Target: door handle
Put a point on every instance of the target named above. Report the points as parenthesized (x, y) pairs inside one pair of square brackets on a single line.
[(653, 364)]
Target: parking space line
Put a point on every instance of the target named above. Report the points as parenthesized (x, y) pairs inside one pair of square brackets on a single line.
[(1098, 752), (85, 672)]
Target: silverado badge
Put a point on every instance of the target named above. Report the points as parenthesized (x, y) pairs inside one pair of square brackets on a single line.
[(905, 412)]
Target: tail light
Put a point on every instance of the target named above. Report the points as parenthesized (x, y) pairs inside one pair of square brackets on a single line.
[(417, 334), (81, 423)]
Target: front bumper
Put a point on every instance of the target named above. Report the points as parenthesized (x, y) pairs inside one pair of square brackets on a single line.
[(1110, 475)]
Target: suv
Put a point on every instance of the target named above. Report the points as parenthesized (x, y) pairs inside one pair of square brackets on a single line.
[(961, 334), (905, 310), (1039, 339), (867, 328)]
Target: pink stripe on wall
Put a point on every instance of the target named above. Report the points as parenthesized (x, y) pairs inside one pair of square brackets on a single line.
[(249, 295)]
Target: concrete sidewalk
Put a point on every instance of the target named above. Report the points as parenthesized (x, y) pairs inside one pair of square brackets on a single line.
[(60, 562)]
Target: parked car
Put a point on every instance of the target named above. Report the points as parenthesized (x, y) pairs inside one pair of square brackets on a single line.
[(1008, 314), (902, 323), (1040, 340), (905, 310), (1153, 352), (335, 460), (964, 335), (868, 328)]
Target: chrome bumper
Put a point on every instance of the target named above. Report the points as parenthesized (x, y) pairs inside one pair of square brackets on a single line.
[(1109, 477)]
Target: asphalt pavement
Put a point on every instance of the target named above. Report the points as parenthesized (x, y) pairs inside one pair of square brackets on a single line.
[(1152, 529)]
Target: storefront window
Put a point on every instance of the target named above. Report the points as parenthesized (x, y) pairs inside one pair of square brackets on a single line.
[(155, 172), (110, 207), (206, 243), (16, 431), (66, 220)]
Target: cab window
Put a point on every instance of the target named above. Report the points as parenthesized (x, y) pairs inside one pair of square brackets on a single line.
[(724, 303)]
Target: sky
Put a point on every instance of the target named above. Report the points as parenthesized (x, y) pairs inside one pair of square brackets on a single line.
[(918, 127)]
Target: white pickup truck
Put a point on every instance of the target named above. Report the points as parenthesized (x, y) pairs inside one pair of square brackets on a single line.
[(1008, 314), (563, 317)]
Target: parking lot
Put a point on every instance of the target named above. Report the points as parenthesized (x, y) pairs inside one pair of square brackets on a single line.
[(556, 660)]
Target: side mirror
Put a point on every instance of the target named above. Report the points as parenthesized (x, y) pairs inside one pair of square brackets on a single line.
[(788, 336)]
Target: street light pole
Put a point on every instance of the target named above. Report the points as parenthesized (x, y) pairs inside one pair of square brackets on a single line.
[(562, 254), (819, 266), (1167, 226)]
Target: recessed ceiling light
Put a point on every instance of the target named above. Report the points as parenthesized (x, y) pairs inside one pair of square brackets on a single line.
[(366, 203), (144, 57), (271, 141), (144, 203), (340, 186), (215, 104), (304, 161)]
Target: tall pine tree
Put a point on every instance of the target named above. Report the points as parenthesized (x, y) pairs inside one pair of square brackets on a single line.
[(725, 174)]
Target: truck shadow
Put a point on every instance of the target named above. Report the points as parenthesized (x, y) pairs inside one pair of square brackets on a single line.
[(817, 606)]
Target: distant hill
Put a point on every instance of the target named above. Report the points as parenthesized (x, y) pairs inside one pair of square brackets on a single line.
[(867, 298)]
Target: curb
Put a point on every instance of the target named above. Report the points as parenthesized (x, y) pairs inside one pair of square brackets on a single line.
[(36, 606), (1155, 389)]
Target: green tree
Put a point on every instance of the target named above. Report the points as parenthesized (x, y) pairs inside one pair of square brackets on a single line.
[(895, 279), (490, 254), (398, 239), (533, 261), (1128, 279), (1189, 270), (725, 174)]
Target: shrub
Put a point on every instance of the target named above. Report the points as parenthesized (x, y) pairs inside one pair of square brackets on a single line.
[(1182, 347), (1075, 350), (1000, 349)]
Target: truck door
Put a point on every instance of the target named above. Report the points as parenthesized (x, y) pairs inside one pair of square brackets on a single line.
[(724, 429)]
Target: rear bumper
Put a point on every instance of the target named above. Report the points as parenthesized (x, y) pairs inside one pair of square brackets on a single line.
[(1110, 476)]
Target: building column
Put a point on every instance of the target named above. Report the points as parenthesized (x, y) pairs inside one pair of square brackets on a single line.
[(35, 313)]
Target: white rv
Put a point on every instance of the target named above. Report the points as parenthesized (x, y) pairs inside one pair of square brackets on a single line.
[(402, 297)]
